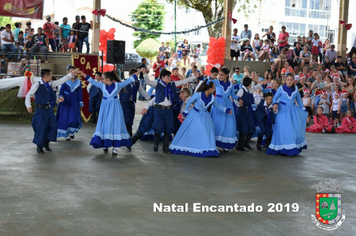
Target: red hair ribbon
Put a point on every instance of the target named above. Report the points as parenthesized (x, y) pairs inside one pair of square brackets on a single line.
[(233, 19), (348, 26)]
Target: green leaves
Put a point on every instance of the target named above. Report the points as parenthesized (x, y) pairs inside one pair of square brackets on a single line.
[(148, 15), (148, 48)]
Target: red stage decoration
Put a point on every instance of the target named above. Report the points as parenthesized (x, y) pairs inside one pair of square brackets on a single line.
[(104, 37), (22, 8), (97, 13), (89, 64), (233, 19), (348, 26), (215, 54)]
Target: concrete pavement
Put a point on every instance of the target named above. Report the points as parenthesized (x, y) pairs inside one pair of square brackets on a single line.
[(78, 190)]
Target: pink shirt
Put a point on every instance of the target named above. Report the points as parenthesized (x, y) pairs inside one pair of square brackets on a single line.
[(283, 37)]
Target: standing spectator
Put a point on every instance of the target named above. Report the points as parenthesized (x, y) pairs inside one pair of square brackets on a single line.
[(162, 48), (28, 25), (326, 46), (142, 80), (56, 35), (48, 29), (283, 39), (64, 31), (159, 64), (297, 50), (7, 41), (234, 48), (246, 34), (309, 40), (271, 36), (75, 26), (186, 51), (272, 71), (18, 26), (290, 55), (197, 53), (315, 47), (72, 41), (41, 44), (330, 56), (305, 57), (83, 34), (167, 50), (299, 40)]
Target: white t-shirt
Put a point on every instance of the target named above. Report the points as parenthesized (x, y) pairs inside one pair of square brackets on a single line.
[(315, 42), (306, 100), (336, 105), (234, 45), (5, 34)]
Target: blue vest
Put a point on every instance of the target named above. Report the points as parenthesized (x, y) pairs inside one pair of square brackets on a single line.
[(261, 112), (160, 93), (246, 98), (94, 91), (43, 95), (130, 91)]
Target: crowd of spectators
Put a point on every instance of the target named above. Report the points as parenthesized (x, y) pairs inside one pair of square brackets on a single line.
[(51, 37)]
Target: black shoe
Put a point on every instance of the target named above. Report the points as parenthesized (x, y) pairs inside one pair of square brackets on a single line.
[(134, 139), (40, 150), (106, 150), (259, 143), (68, 138), (72, 136), (156, 142), (165, 148), (247, 141), (47, 147), (240, 141)]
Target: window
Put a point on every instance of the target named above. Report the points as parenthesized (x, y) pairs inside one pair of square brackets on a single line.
[(288, 3), (197, 32)]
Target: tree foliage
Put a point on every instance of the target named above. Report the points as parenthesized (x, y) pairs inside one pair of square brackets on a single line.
[(148, 15), (148, 48), (6, 20), (214, 9)]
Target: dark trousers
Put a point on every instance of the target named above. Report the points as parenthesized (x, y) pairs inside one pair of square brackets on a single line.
[(163, 121), (266, 129), (244, 122), (42, 49), (44, 125), (52, 42)]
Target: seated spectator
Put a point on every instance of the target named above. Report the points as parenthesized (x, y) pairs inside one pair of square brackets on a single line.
[(27, 30), (7, 41), (264, 51), (297, 50), (237, 76), (305, 57), (192, 71), (175, 76), (256, 43), (287, 69), (352, 66), (184, 71), (274, 55), (326, 46), (40, 44), (340, 66), (290, 55), (330, 56), (247, 51), (29, 43), (20, 44), (271, 36), (172, 62), (273, 70)]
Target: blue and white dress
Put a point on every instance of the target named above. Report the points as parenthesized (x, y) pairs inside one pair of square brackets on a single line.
[(289, 129), (68, 115), (195, 136), (110, 129), (224, 124)]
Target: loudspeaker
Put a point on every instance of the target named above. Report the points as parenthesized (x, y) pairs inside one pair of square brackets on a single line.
[(115, 53)]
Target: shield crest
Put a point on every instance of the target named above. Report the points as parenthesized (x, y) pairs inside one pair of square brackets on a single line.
[(328, 207)]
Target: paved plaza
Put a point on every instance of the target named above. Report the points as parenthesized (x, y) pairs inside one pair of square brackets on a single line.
[(78, 190)]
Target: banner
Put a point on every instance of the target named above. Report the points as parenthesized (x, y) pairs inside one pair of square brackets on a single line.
[(89, 64), (22, 8)]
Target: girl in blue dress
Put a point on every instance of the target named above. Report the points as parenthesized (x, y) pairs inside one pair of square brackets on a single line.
[(195, 136), (68, 115), (225, 135), (110, 129), (289, 129)]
